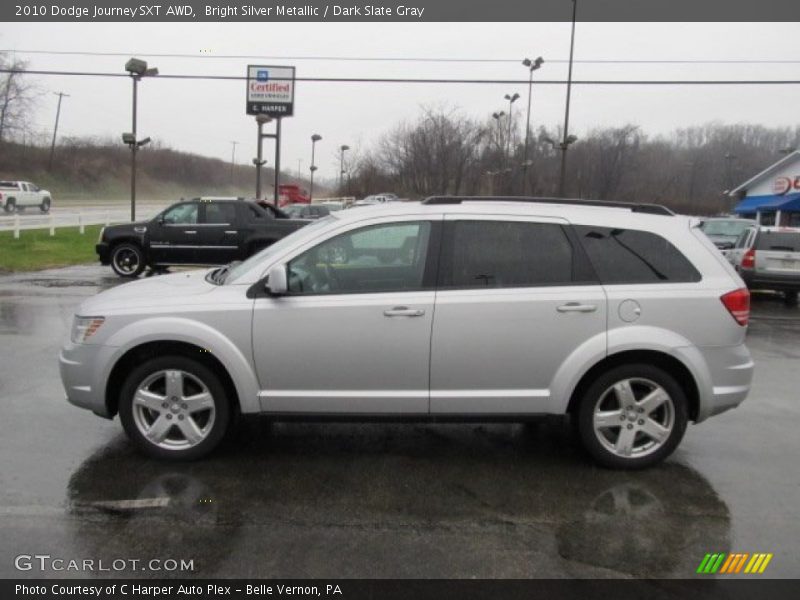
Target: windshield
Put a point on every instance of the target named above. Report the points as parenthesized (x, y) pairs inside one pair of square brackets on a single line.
[(727, 228), (275, 249)]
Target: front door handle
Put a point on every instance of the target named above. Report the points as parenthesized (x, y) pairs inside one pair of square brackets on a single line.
[(577, 307), (403, 311), (190, 231)]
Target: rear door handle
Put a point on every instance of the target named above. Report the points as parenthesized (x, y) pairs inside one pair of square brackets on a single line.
[(189, 232), (577, 307), (231, 232), (403, 311)]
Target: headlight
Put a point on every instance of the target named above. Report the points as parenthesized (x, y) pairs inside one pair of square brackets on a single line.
[(85, 327)]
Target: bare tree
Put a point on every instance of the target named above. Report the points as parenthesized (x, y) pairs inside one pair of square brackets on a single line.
[(17, 98)]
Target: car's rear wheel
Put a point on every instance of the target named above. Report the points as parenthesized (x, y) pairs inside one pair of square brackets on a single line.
[(127, 260), (632, 416), (45, 205), (10, 205), (174, 407)]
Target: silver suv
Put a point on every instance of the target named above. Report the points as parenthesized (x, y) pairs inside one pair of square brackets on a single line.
[(624, 317)]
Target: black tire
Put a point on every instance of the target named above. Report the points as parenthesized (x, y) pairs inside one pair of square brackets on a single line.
[(127, 260), (193, 372), (11, 204), (45, 206), (673, 411)]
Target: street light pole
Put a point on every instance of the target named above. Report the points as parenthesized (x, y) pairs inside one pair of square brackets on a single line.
[(55, 129), (277, 159), (564, 144), (342, 150), (532, 66), (137, 69), (134, 148), (314, 139), (511, 99), (233, 157)]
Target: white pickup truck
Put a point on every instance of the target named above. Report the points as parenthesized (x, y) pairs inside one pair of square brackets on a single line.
[(18, 195)]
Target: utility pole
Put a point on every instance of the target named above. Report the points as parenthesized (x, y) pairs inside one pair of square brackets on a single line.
[(565, 144), (55, 129)]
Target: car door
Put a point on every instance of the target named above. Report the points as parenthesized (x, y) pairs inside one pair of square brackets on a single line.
[(218, 233), (353, 334), (516, 298), (174, 235)]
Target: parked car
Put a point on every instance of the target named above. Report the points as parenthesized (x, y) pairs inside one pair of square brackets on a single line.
[(332, 205), (306, 211), (624, 317), (19, 195), (376, 199), (768, 258), (724, 231), (202, 231)]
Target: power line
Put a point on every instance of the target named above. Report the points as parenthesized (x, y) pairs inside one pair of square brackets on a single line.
[(420, 59), (429, 80)]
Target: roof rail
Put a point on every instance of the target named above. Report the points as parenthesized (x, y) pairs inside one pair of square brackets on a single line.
[(653, 209)]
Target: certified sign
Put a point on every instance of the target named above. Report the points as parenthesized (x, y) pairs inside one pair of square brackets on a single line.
[(270, 91)]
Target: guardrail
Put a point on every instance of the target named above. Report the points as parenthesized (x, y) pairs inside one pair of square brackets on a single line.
[(59, 220)]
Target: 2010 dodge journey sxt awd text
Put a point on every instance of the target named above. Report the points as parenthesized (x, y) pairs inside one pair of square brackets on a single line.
[(625, 317)]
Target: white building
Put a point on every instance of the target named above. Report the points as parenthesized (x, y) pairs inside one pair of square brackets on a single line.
[(773, 196)]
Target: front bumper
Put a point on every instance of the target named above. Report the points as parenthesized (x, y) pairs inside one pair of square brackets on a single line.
[(82, 374), (103, 252)]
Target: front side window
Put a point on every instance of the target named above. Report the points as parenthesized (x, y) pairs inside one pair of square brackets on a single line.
[(497, 254), (632, 256), (181, 214), (379, 258)]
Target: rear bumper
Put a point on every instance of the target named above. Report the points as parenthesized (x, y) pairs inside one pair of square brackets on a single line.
[(730, 370), (756, 280), (103, 252)]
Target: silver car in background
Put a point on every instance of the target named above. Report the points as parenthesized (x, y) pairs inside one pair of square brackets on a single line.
[(624, 317)]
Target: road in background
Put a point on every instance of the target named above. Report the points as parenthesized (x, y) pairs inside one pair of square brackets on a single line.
[(385, 500)]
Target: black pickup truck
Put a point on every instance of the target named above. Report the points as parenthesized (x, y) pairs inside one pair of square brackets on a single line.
[(201, 231)]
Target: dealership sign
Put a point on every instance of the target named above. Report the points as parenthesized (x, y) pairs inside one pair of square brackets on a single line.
[(270, 91), (784, 185)]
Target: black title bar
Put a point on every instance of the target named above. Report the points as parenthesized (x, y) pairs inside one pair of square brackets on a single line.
[(398, 11)]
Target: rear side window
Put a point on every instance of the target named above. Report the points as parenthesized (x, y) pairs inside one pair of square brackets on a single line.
[(778, 241), (220, 213), (499, 254), (633, 256)]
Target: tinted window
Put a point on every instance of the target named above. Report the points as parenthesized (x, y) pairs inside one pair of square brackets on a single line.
[(778, 241), (181, 214), (380, 258), (482, 254), (220, 212), (631, 256)]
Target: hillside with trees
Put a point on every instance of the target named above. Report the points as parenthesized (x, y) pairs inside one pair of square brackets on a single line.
[(446, 152)]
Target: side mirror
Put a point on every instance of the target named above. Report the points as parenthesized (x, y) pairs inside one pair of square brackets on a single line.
[(276, 284)]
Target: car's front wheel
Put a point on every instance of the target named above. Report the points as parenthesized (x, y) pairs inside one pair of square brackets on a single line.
[(174, 407), (127, 260), (632, 416), (45, 205)]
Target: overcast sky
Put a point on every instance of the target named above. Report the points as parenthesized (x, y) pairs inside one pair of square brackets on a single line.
[(204, 116)]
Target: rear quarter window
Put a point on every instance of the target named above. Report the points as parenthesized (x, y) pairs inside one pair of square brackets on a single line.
[(634, 256)]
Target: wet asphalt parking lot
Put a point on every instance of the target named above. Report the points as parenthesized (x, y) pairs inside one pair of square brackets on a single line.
[(384, 500)]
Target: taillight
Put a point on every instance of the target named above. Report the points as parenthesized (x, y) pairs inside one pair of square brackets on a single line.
[(749, 259), (738, 304)]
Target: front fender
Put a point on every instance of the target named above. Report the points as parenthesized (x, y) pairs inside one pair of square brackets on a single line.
[(171, 329)]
